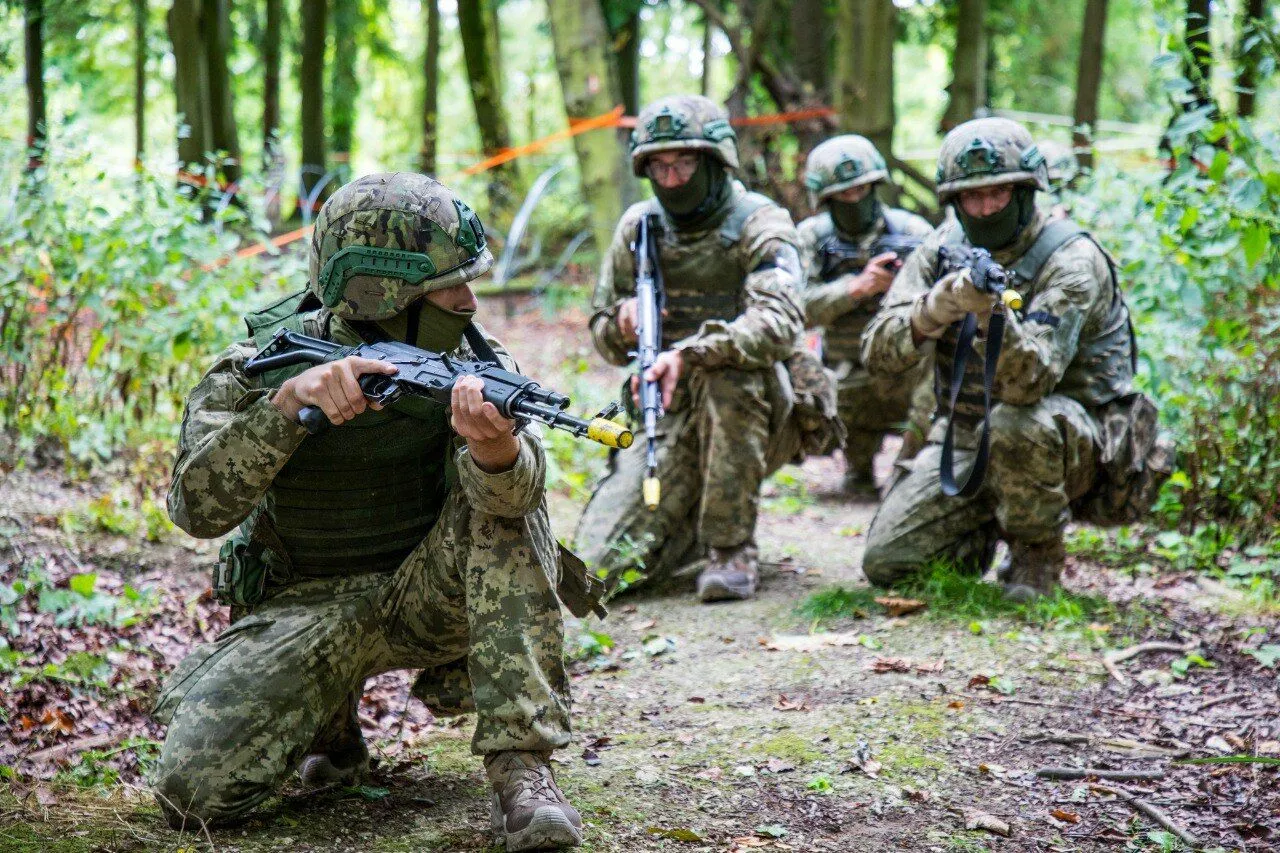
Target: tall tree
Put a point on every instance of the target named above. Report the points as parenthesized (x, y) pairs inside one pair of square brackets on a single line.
[(864, 87), (578, 34), (225, 137), (482, 73), (622, 17), (704, 82), (1248, 56), (311, 84), (139, 79), (431, 89), (1199, 68), (967, 91), (345, 85), (271, 82), (810, 34), (1089, 79), (33, 57), (201, 34)]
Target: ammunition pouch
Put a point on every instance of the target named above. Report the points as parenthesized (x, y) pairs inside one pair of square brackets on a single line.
[(1135, 461), (240, 576)]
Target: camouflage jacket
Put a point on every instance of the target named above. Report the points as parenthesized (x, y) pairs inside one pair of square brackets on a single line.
[(770, 321), (234, 441)]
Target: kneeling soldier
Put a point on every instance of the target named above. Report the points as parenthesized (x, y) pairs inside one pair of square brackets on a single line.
[(414, 536)]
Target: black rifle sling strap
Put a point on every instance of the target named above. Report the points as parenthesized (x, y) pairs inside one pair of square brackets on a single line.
[(479, 345), (978, 471)]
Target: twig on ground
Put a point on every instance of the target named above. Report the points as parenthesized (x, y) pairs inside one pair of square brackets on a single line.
[(1218, 700), (1110, 659), (62, 750), (1094, 772), (1152, 812), (1065, 738), (1132, 715)]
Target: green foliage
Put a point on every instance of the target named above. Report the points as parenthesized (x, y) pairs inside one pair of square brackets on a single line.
[(837, 602), (114, 309), (79, 603)]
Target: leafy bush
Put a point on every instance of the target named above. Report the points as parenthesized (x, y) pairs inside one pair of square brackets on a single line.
[(112, 303)]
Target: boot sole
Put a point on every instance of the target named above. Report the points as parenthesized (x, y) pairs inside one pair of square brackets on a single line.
[(716, 591), (549, 829)]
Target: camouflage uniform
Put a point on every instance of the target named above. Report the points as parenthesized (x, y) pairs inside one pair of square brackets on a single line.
[(869, 406), (1067, 357), (474, 599), (731, 299), (1062, 167)]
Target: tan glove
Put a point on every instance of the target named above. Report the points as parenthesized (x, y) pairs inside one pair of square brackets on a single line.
[(952, 297)]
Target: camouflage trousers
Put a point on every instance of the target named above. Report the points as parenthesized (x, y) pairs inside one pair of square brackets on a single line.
[(244, 710), (870, 407), (723, 435), (1043, 457)]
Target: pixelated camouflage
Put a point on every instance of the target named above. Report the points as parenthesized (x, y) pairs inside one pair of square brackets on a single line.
[(841, 163), (402, 211), (1060, 162), (988, 152), (683, 122)]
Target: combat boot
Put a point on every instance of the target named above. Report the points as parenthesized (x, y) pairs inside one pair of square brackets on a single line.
[(528, 812), (338, 755), (730, 574), (1034, 569)]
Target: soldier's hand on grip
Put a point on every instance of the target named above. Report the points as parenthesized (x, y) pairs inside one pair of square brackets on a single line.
[(666, 372), (333, 387), (947, 302), (877, 276)]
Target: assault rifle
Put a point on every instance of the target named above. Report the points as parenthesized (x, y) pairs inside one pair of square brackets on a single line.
[(650, 301), (840, 256), (431, 376), (986, 275)]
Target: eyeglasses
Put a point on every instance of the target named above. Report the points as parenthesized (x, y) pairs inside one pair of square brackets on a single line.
[(682, 169)]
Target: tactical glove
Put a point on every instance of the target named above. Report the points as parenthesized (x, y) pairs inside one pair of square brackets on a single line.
[(947, 302)]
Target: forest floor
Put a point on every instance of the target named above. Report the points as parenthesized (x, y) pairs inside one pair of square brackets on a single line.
[(811, 718)]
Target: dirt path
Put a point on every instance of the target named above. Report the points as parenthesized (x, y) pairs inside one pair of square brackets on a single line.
[(749, 726)]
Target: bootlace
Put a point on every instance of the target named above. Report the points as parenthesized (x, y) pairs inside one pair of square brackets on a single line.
[(538, 784)]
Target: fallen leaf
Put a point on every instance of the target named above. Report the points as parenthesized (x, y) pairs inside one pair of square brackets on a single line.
[(916, 796), (1064, 815), (978, 681), (777, 765), (931, 668), (683, 833), (808, 642), (591, 757), (771, 830), (712, 774), (744, 770), (956, 705), (899, 606), (880, 664), (1218, 744), (785, 703), (697, 700), (974, 819)]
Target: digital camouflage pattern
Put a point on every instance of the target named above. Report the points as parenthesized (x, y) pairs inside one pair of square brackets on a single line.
[(683, 122), (1045, 426), (842, 163), (735, 319), (869, 406), (405, 211), (987, 152), (481, 586)]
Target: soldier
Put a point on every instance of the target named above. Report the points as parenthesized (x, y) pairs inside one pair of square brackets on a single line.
[(846, 278), (1063, 406), (731, 272), (330, 571), (1060, 161)]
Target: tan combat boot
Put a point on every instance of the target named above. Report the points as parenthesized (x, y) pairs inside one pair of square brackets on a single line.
[(1034, 569), (528, 811), (730, 574), (338, 755)]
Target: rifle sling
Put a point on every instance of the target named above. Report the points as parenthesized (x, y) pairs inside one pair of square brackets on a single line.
[(978, 472)]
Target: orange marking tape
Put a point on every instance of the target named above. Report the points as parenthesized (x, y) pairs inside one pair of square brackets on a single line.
[(609, 119)]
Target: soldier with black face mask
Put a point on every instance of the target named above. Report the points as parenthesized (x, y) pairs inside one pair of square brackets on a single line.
[(846, 278)]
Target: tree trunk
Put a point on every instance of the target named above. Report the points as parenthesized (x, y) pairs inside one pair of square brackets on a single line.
[(626, 59), (311, 84), (271, 83), (967, 92), (1089, 79), (223, 134), (431, 89), (579, 37), (482, 74), (704, 84), (345, 85), (810, 31), (1199, 49), (1248, 56), (865, 32), (139, 79), (191, 84), (33, 56)]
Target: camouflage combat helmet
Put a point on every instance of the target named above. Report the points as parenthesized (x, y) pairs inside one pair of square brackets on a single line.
[(988, 152), (683, 122), (841, 163), (1060, 160), (385, 240)]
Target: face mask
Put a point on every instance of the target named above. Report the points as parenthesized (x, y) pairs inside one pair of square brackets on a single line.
[(1001, 228), (685, 199), (855, 217), (427, 326)]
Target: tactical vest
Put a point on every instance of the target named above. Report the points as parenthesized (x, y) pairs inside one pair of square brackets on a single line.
[(357, 498), (699, 284), (1103, 366), (842, 339)]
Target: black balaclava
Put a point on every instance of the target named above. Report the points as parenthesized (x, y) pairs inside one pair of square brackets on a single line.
[(696, 199), (1001, 228), (855, 218), (427, 326)]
